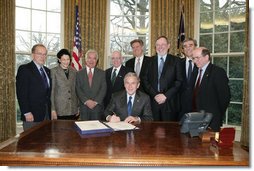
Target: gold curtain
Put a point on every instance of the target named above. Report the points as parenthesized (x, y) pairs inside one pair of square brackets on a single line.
[(93, 17), (245, 108), (7, 70), (165, 20)]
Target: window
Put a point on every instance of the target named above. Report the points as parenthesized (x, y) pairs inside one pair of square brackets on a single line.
[(128, 20), (37, 22), (222, 30)]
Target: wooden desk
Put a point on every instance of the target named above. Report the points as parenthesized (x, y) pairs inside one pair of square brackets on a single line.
[(57, 143)]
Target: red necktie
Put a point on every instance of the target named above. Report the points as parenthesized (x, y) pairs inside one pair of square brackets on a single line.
[(195, 91), (90, 77)]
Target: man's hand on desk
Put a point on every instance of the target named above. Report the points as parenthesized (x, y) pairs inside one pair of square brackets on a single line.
[(114, 118), (132, 119)]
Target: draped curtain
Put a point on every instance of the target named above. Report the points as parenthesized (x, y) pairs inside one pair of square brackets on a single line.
[(93, 17), (165, 20), (7, 70), (245, 108)]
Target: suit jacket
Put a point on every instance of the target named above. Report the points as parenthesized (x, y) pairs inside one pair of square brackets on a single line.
[(63, 95), (131, 64), (214, 94), (186, 90), (118, 85), (96, 92), (141, 106), (170, 80), (31, 93)]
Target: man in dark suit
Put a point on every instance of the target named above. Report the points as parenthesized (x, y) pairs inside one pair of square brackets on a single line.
[(91, 88), (139, 61), (129, 105), (211, 92), (33, 84), (162, 82), (189, 71), (115, 76)]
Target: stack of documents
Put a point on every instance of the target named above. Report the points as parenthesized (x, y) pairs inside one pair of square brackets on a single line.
[(95, 126)]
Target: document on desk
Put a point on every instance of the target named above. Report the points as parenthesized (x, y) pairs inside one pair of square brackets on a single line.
[(121, 126), (90, 127)]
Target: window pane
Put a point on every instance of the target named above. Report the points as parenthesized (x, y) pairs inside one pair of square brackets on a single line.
[(129, 25), (41, 4), (129, 7), (39, 38), (38, 21), (116, 8), (236, 87), (237, 19), (205, 5), (23, 3), (234, 114), (23, 41), (142, 25), (237, 42), (221, 62), (206, 22), (221, 4), (220, 43), (22, 13), (206, 41), (56, 19), (22, 59), (116, 24), (221, 21), (236, 67), (238, 3), (51, 62), (115, 43), (143, 7), (54, 5), (53, 43)]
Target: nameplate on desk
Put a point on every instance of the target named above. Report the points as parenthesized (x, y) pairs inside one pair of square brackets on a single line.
[(121, 126), (91, 127)]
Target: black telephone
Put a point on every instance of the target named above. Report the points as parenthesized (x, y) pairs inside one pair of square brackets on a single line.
[(195, 122)]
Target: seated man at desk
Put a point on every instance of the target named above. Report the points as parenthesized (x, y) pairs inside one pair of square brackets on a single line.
[(129, 105)]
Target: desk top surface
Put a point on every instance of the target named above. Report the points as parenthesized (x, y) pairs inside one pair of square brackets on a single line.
[(153, 144)]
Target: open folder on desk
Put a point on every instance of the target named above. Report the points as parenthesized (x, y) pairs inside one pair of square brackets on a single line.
[(90, 127), (95, 126), (120, 126)]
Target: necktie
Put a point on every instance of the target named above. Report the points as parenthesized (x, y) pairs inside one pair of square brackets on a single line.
[(194, 105), (160, 71), (138, 67), (189, 71), (90, 77), (113, 78), (44, 78), (129, 105)]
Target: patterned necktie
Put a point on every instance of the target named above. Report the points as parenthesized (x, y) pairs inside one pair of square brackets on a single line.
[(90, 77), (129, 105), (113, 78), (138, 67), (189, 70), (44, 78)]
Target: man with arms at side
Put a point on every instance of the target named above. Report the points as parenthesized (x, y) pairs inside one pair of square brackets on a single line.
[(115, 76), (91, 88), (139, 61), (129, 105), (33, 88), (162, 82), (189, 71), (211, 92)]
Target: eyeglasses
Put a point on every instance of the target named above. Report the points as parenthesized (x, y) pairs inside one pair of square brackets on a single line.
[(196, 58), (41, 54)]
